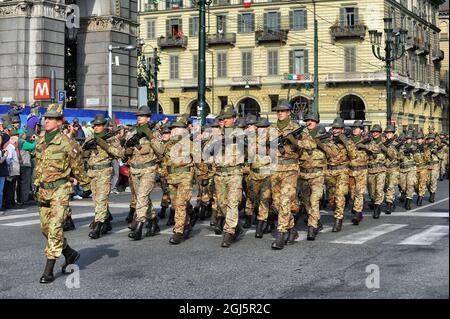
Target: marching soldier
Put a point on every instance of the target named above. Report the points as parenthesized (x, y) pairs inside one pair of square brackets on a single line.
[(422, 156), (250, 205), (56, 162), (392, 169), (443, 156), (433, 167), (99, 151), (408, 172), (143, 151), (162, 170), (358, 172)]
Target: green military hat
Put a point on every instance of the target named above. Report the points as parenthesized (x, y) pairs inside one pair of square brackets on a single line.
[(227, 112), (99, 119), (263, 123), (376, 128), (311, 116), (389, 129), (357, 123), (419, 135), (251, 119), (144, 110), (338, 123), (54, 111), (431, 136), (180, 122), (283, 105)]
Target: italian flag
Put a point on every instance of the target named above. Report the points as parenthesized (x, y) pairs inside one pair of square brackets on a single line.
[(247, 3), (174, 4), (295, 77)]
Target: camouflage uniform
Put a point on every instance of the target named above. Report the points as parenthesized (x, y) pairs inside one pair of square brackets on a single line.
[(422, 156), (443, 157), (392, 171), (408, 172), (433, 168), (377, 172), (358, 176)]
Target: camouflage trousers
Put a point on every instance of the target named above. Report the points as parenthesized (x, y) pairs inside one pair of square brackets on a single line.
[(229, 195), (444, 165), (357, 188), (311, 192), (180, 190), (165, 200), (338, 181), (284, 196), (246, 185), (144, 182), (392, 180), (407, 182), (205, 193), (101, 187), (422, 181), (133, 191), (53, 210), (376, 182), (433, 178), (259, 196)]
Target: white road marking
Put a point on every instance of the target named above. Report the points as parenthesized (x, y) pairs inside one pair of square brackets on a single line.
[(426, 237), (422, 207), (417, 214), (368, 234), (35, 222), (18, 216)]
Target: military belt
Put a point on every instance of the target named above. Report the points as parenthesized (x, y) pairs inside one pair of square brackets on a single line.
[(144, 165), (335, 168), (55, 184), (225, 169), (392, 166), (176, 170), (262, 170), (433, 162), (287, 161), (311, 170), (376, 166), (96, 167), (405, 166), (44, 204), (358, 168)]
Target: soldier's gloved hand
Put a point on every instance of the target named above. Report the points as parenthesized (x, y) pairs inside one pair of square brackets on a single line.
[(205, 182), (148, 132), (129, 151), (361, 146), (102, 143), (292, 140), (343, 138)]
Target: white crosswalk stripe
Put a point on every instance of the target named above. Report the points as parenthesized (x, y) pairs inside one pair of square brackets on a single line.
[(35, 222), (427, 237), (368, 234)]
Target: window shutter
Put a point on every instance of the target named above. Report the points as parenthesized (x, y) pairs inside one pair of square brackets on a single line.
[(168, 31), (305, 54), (180, 25), (291, 62), (356, 15), (191, 26), (346, 59), (305, 19), (279, 21), (291, 20), (239, 23), (266, 27), (342, 17), (253, 22), (353, 59)]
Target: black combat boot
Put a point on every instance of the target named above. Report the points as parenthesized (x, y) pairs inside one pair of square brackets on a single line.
[(238, 231), (319, 227), (408, 203), (371, 205), (154, 227), (270, 226), (357, 218), (248, 221), (432, 197), (47, 277), (297, 219), (130, 216), (226, 242), (107, 226), (176, 239), (293, 235), (71, 256), (209, 210), (171, 220), (260, 229), (278, 244), (312, 232), (389, 208), (376, 211), (137, 233), (402, 197), (96, 231), (337, 225), (218, 229), (419, 201), (193, 216), (162, 212), (202, 212), (213, 220), (68, 224)]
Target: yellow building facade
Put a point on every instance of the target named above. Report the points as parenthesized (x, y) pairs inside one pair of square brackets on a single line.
[(261, 51)]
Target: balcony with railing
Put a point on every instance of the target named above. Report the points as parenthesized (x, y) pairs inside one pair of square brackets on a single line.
[(239, 81), (221, 39), (305, 78), (269, 35), (345, 32), (173, 42), (438, 55), (423, 47), (412, 43), (352, 77)]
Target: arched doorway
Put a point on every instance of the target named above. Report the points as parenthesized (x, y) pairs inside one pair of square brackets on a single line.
[(248, 106), (352, 107), (300, 106), (153, 109), (193, 108)]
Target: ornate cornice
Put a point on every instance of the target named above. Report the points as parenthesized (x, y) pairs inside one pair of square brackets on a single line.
[(109, 23), (15, 8), (28, 8)]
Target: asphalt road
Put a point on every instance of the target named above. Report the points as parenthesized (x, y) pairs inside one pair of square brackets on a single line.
[(404, 255)]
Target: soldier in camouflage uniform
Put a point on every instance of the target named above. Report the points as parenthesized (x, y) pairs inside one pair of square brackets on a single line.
[(99, 153), (422, 157), (392, 167), (408, 173), (284, 176), (178, 159), (250, 205), (228, 151), (163, 174), (56, 161), (143, 161), (443, 157), (434, 166)]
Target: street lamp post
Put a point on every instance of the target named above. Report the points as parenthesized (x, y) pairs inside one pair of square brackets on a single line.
[(394, 47), (110, 63)]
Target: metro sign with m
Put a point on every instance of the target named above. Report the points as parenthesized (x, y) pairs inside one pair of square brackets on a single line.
[(42, 89)]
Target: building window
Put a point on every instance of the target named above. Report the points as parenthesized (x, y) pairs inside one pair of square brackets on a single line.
[(298, 61), (193, 26), (151, 29), (272, 65), (247, 63), (194, 66), (273, 101), (297, 19), (174, 27), (223, 101), (350, 59), (246, 23), (272, 22), (176, 105), (222, 65), (174, 67), (349, 16), (174, 4), (221, 24)]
